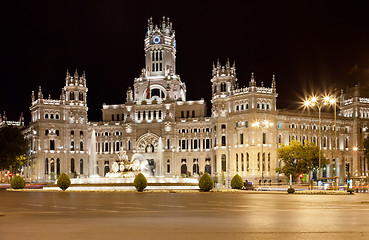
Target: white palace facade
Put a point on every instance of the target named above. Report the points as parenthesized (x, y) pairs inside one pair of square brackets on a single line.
[(156, 109)]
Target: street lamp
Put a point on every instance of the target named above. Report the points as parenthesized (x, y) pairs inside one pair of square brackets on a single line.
[(263, 124), (319, 102)]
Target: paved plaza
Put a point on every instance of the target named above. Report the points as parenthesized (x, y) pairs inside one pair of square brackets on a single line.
[(117, 215)]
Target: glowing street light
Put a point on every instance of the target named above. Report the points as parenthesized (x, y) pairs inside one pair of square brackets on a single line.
[(319, 102), (263, 124)]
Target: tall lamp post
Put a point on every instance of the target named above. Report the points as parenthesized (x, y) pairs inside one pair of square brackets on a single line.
[(319, 102), (263, 124)]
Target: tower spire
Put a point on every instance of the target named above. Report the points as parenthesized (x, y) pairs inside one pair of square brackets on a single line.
[(252, 81), (273, 84), (39, 93)]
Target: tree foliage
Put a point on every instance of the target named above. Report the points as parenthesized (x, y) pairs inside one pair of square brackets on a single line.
[(237, 182), (298, 158), (17, 182), (63, 181), (13, 148), (206, 183), (140, 182)]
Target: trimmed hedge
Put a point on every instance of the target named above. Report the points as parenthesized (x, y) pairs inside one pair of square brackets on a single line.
[(140, 182), (290, 190), (237, 182), (206, 183), (17, 182), (63, 181)]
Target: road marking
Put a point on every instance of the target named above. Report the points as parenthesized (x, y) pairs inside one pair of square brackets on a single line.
[(168, 205), (34, 204)]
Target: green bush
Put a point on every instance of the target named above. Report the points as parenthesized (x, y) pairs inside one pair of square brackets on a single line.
[(140, 182), (237, 182), (206, 183), (17, 182), (290, 190), (63, 181)]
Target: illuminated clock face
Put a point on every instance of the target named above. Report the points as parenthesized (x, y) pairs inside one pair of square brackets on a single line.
[(156, 39)]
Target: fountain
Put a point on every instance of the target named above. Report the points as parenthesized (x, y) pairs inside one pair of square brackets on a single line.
[(92, 167), (160, 158), (124, 168)]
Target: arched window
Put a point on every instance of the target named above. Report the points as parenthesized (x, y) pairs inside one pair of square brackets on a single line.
[(72, 165), (52, 165), (58, 166), (51, 116), (72, 145), (46, 132), (81, 146), (223, 140), (224, 163), (168, 166), (236, 162), (247, 162), (46, 116), (268, 161), (81, 166), (183, 167), (71, 96), (46, 166), (195, 166), (57, 116), (242, 163), (223, 87), (81, 96), (258, 161)]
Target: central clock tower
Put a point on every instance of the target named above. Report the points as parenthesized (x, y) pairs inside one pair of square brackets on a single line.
[(158, 79), (160, 48)]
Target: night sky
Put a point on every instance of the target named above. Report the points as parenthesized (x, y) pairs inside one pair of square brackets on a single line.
[(310, 46)]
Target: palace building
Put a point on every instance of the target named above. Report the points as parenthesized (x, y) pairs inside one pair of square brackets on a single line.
[(241, 135)]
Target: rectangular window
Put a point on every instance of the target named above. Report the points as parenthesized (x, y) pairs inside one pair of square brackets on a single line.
[(161, 67), (264, 137), (117, 117), (52, 144), (183, 144), (223, 140), (207, 143), (153, 67), (112, 117), (193, 113), (188, 113), (241, 138), (195, 144)]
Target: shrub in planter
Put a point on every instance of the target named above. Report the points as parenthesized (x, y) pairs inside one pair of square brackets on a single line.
[(237, 182), (17, 182), (290, 190), (206, 183), (63, 181), (140, 182)]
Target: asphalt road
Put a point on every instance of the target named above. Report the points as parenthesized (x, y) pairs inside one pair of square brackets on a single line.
[(63, 215)]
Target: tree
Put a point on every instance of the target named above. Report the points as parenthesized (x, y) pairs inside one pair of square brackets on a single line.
[(63, 181), (13, 148), (206, 183), (298, 158), (140, 182), (237, 182)]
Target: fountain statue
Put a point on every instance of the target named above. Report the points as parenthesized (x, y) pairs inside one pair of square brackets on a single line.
[(126, 168)]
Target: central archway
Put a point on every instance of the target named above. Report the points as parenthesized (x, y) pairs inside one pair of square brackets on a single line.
[(147, 143)]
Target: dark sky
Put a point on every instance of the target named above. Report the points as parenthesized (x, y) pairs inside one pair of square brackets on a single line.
[(308, 45)]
